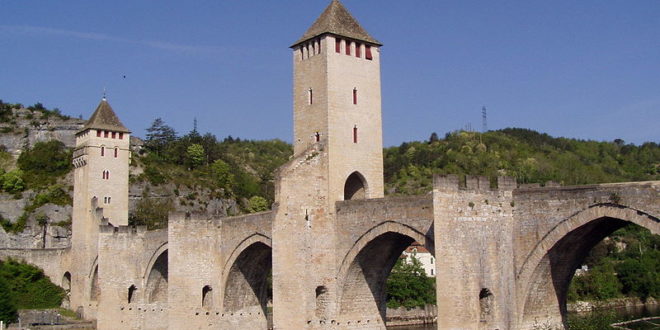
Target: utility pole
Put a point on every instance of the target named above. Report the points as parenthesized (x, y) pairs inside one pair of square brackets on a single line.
[(484, 120)]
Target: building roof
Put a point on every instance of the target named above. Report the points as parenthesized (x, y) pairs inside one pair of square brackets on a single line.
[(104, 118), (336, 19)]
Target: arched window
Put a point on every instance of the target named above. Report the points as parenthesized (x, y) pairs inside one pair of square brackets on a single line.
[(207, 296)]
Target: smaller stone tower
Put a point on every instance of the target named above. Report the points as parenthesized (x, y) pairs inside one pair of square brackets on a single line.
[(337, 101), (101, 158)]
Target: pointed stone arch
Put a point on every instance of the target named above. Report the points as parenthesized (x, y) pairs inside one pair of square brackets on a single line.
[(156, 288), (245, 277), (355, 186), (548, 269), (365, 268)]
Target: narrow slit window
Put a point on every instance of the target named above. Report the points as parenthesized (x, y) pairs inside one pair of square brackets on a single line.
[(102, 151), (338, 45), (310, 96), (116, 151), (348, 47), (367, 52), (302, 54), (317, 136), (358, 50), (355, 96), (355, 134), (318, 48)]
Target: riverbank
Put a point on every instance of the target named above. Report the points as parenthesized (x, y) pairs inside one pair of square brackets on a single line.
[(590, 306), (415, 316)]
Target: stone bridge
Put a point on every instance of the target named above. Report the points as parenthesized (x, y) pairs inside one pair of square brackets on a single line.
[(505, 257)]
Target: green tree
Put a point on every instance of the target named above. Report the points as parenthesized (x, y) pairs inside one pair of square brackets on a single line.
[(195, 154), (159, 136), (151, 212), (12, 182), (28, 287), (221, 173), (257, 204), (408, 285), (44, 163), (7, 307)]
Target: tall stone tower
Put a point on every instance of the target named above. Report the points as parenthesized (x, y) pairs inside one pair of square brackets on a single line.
[(101, 158), (336, 100), (338, 155)]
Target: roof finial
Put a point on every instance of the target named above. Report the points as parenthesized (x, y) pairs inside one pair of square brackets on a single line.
[(104, 92)]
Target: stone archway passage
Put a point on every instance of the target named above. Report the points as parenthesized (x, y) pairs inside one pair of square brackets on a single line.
[(156, 289), (363, 295), (246, 288), (546, 296), (355, 187)]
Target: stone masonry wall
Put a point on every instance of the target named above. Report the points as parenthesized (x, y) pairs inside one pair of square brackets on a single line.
[(474, 271)]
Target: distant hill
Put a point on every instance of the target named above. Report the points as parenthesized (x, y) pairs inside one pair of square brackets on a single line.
[(529, 156)]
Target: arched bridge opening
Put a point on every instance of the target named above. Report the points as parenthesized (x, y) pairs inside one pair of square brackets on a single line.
[(366, 269), (247, 285), (156, 288), (561, 252)]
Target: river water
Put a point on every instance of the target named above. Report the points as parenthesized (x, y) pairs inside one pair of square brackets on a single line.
[(614, 315)]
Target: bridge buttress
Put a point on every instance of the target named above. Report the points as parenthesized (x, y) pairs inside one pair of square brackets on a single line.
[(473, 248)]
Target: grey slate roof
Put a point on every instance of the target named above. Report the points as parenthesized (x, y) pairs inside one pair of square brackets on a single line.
[(336, 19), (105, 118)]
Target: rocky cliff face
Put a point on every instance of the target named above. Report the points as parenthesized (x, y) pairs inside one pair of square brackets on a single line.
[(48, 226), (27, 127)]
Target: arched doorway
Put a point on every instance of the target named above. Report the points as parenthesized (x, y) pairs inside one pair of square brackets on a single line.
[(247, 288), (366, 269), (156, 288), (546, 292), (355, 187)]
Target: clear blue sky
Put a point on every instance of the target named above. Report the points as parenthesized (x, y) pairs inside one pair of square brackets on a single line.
[(584, 69)]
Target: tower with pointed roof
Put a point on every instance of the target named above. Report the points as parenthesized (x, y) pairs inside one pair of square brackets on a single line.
[(101, 159), (337, 101)]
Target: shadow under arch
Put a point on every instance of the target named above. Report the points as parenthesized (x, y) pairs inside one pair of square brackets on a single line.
[(94, 280), (156, 288), (355, 186), (367, 265), (245, 276), (548, 270)]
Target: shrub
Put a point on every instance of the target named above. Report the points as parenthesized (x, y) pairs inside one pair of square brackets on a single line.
[(44, 163)]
